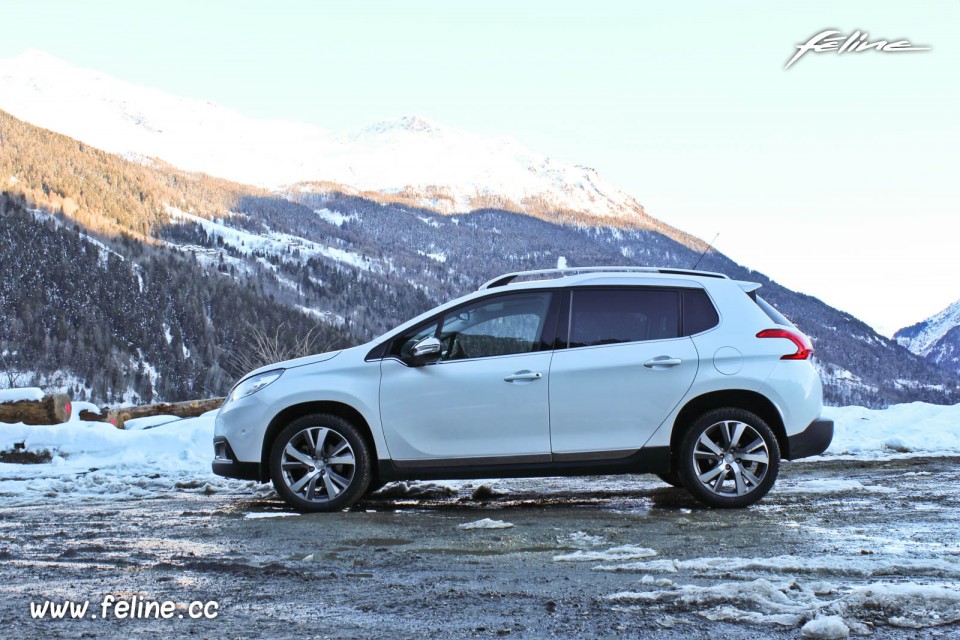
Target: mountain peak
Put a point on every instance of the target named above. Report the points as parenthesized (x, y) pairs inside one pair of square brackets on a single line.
[(410, 154), (922, 337)]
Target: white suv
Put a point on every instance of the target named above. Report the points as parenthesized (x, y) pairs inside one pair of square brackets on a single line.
[(686, 374)]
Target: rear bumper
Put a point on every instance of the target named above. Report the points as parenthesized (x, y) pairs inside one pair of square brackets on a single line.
[(225, 463), (812, 441)]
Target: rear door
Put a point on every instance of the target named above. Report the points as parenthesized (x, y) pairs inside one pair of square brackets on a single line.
[(624, 369)]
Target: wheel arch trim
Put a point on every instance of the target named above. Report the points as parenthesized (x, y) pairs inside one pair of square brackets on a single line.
[(751, 401)]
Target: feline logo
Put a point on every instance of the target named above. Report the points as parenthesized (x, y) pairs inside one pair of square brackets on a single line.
[(856, 42)]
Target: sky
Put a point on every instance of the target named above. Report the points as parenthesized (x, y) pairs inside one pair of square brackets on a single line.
[(836, 177)]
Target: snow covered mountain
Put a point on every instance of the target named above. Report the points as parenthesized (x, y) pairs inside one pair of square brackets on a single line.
[(937, 338), (437, 167)]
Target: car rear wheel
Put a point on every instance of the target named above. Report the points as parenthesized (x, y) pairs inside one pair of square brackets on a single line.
[(729, 458), (320, 462)]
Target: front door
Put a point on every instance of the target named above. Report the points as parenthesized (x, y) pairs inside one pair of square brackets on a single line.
[(486, 400)]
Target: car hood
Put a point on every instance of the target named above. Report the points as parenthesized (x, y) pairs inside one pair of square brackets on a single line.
[(296, 362)]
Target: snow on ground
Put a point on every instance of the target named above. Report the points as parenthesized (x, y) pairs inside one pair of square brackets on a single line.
[(794, 603), (916, 428), (891, 566)]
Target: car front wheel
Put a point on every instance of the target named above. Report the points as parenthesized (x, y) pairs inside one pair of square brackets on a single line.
[(729, 458), (320, 462)]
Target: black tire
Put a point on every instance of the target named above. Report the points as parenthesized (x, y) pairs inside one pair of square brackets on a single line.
[(703, 463), (672, 478), (306, 478)]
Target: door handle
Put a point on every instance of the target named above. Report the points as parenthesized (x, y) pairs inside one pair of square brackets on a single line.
[(662, 361), (523, 375)]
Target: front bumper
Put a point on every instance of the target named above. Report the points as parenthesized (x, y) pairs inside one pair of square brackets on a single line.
[(812, 441), (225, 463)]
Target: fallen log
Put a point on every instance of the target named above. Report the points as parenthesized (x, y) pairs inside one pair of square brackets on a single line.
[(188, 409), (52, 409), (90, 416)]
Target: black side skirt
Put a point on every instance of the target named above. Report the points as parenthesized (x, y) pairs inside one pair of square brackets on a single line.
[(646, 460)]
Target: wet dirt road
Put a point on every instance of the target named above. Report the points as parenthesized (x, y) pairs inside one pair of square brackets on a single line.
[(875, 544)]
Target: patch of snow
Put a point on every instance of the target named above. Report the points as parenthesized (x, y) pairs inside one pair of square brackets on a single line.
[(562, 262), (580, 539), (25, 393), (624, 552), (333, 217), (832, 485), (486, 523), (273, 242), (272, 514), (826, 628)]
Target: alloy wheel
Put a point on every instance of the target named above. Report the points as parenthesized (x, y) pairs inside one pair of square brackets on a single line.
[(318, 464), (731, 458)]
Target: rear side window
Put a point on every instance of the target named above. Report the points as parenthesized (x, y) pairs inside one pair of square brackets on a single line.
[(772, 313), (699, 313), (611, 316)]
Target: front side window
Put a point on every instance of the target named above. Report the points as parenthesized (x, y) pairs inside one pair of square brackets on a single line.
[(499, 326), (611, 316)]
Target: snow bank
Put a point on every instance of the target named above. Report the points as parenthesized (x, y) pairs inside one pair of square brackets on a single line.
[(95, 458), (15, 395), (916, 428)]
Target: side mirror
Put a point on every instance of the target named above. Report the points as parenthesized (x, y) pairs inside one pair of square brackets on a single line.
[(425, 351)]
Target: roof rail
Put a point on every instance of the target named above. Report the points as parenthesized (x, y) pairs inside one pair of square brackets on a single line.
[(507, 278)]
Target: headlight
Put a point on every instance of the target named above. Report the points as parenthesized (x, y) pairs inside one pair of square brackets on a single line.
[(253, 384)]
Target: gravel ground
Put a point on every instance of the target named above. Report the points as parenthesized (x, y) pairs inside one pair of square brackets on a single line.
[(876, 543)]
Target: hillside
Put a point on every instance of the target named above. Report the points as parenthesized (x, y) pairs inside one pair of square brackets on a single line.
[(133, 324), (360, 262)]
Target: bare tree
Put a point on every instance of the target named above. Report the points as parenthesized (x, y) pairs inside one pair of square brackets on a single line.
[(263, 348), (14, 376)]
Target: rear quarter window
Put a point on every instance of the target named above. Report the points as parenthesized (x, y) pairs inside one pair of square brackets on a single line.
[(699, 314)]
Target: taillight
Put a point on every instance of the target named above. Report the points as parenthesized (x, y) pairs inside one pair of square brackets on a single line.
[(804, 346)]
